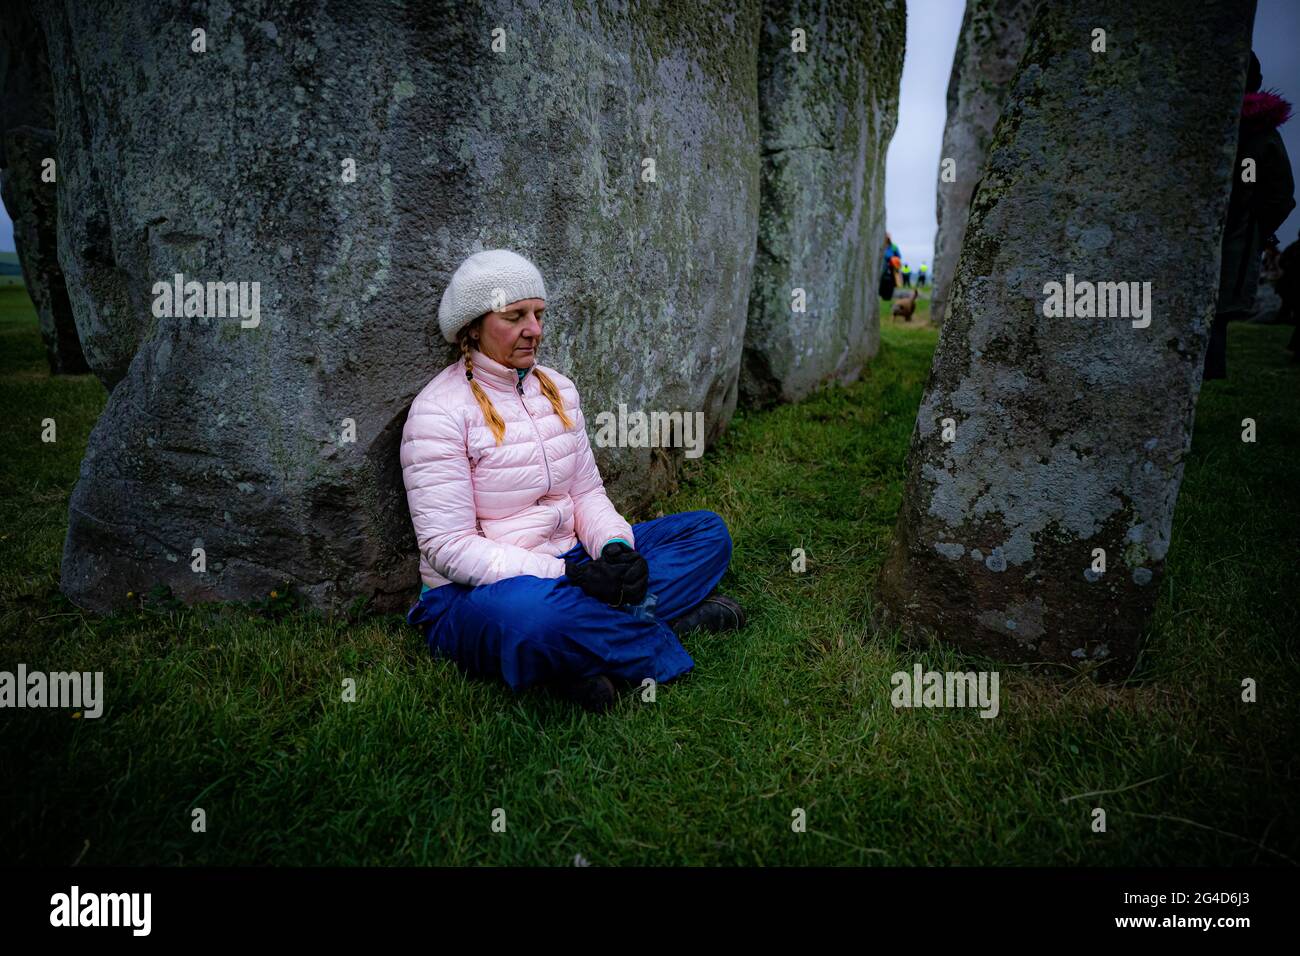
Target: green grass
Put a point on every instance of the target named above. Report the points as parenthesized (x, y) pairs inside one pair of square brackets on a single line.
[(236, 709)]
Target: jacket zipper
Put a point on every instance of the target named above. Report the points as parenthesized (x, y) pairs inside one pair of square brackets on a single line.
[(536, 431)]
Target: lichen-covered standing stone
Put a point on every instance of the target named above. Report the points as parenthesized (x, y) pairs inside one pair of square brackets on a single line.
[(1069, 433), (828, 113), (230, 165), (27, 142), (988, 48)]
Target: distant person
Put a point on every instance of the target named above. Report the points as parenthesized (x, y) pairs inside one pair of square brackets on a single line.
[(921, 276), (891, 249), (1255, 210), (907, 276), (887, 280)]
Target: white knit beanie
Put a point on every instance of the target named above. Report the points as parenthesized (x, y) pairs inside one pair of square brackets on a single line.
[(485, 282)]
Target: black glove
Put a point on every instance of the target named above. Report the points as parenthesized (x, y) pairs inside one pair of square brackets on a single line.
[(636, 573), (615, 578)]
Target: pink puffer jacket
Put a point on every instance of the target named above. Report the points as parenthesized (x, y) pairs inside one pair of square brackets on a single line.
[(482, 511)]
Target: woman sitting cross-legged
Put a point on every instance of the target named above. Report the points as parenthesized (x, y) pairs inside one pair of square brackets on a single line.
[(530, 573)]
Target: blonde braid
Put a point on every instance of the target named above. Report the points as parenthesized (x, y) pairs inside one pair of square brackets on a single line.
[(553, 395), (490, 413)]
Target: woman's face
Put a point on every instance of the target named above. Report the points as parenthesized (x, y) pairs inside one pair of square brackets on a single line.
[(512, 335)]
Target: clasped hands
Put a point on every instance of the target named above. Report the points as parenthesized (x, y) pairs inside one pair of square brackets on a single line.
[(618, 576)]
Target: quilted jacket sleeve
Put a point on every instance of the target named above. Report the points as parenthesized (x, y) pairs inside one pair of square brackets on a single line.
[(1274, 196), (595, 519), (440, 493)]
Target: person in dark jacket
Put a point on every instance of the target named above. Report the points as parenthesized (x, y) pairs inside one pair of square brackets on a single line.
[(1288, 287), (888, 275), (1259, 204)]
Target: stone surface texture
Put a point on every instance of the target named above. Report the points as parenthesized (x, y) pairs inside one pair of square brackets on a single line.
[(1070, 433), (988, 48), (227, 166), (27, 141), (827, 116)]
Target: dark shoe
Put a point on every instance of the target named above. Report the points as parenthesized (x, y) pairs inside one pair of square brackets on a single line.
[(716, 613), (596, 694)]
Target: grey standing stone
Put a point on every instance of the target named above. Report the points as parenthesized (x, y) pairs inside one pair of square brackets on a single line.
[(226, 166), (1071, 432), (988, 48), (827, 116), (27, 140)]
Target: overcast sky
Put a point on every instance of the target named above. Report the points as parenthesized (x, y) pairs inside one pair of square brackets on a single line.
[(912, 168)]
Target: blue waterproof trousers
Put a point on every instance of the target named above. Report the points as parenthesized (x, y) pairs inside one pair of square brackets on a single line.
[(528, 630)]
